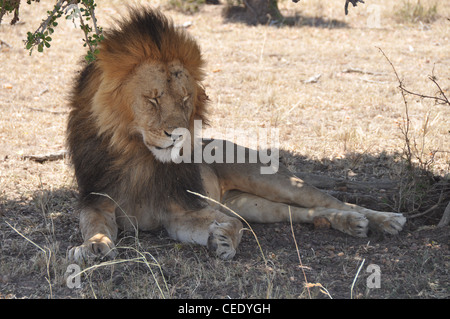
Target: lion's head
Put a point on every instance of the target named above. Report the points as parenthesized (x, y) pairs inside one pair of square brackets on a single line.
[(151, 83), (144, 84)]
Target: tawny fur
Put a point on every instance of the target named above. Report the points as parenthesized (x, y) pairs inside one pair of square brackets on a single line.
[(125, 107)]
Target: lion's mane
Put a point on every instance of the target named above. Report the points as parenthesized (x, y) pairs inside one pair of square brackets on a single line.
[(106, 156)]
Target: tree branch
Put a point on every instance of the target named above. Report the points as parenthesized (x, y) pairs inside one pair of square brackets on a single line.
[(94, 21), (84, 27), (405, 129)]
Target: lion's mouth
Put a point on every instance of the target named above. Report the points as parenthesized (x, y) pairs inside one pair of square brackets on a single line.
[(163, 154), (163, 148)]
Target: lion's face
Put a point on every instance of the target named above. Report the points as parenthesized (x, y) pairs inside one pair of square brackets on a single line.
[(163, 106)]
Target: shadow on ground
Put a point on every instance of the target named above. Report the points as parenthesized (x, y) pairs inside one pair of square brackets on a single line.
[(413, 264), (237, 14)]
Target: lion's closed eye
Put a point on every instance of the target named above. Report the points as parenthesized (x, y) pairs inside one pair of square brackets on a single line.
[(186, 98), (154, 101)]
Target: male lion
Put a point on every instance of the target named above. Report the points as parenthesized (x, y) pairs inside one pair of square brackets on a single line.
[(125, 109)]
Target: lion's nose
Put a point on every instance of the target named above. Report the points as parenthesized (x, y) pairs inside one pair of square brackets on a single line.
[(173, 136)]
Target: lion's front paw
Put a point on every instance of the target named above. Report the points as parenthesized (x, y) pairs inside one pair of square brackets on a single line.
[(224, 238), (96, 246)]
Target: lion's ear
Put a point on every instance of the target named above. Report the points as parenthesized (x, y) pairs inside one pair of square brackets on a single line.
[(201, 102), (201, 94)]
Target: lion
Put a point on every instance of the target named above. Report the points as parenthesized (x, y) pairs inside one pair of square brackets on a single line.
[(126, 108)]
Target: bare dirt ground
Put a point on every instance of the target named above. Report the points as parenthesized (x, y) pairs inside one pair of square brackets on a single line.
[(344, 124)]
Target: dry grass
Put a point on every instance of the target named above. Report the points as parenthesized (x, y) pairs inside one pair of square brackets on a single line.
[(346, 124)]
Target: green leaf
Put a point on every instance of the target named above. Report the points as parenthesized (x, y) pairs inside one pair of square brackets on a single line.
[(40, 47), (88, 57)]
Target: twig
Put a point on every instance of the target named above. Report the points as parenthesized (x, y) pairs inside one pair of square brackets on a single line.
[(15, 5), (373, 81), (405, 129), (29, 240), (58, 6), (356, 70), (356, 277), (46, 157), (94, 21), (5, 44), (429, 210), (46, 111), (298, 253), (85, 31), (443, 100), (433, 79)]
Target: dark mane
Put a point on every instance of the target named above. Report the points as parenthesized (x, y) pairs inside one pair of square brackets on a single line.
[(130, 175), (145, 25)]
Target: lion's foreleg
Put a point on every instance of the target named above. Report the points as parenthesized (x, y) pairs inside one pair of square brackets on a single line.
[(207, 227), (99, 230)]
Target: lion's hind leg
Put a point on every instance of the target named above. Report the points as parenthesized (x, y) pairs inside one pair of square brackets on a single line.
[(208, 227), (99, 230), (260, 210)]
